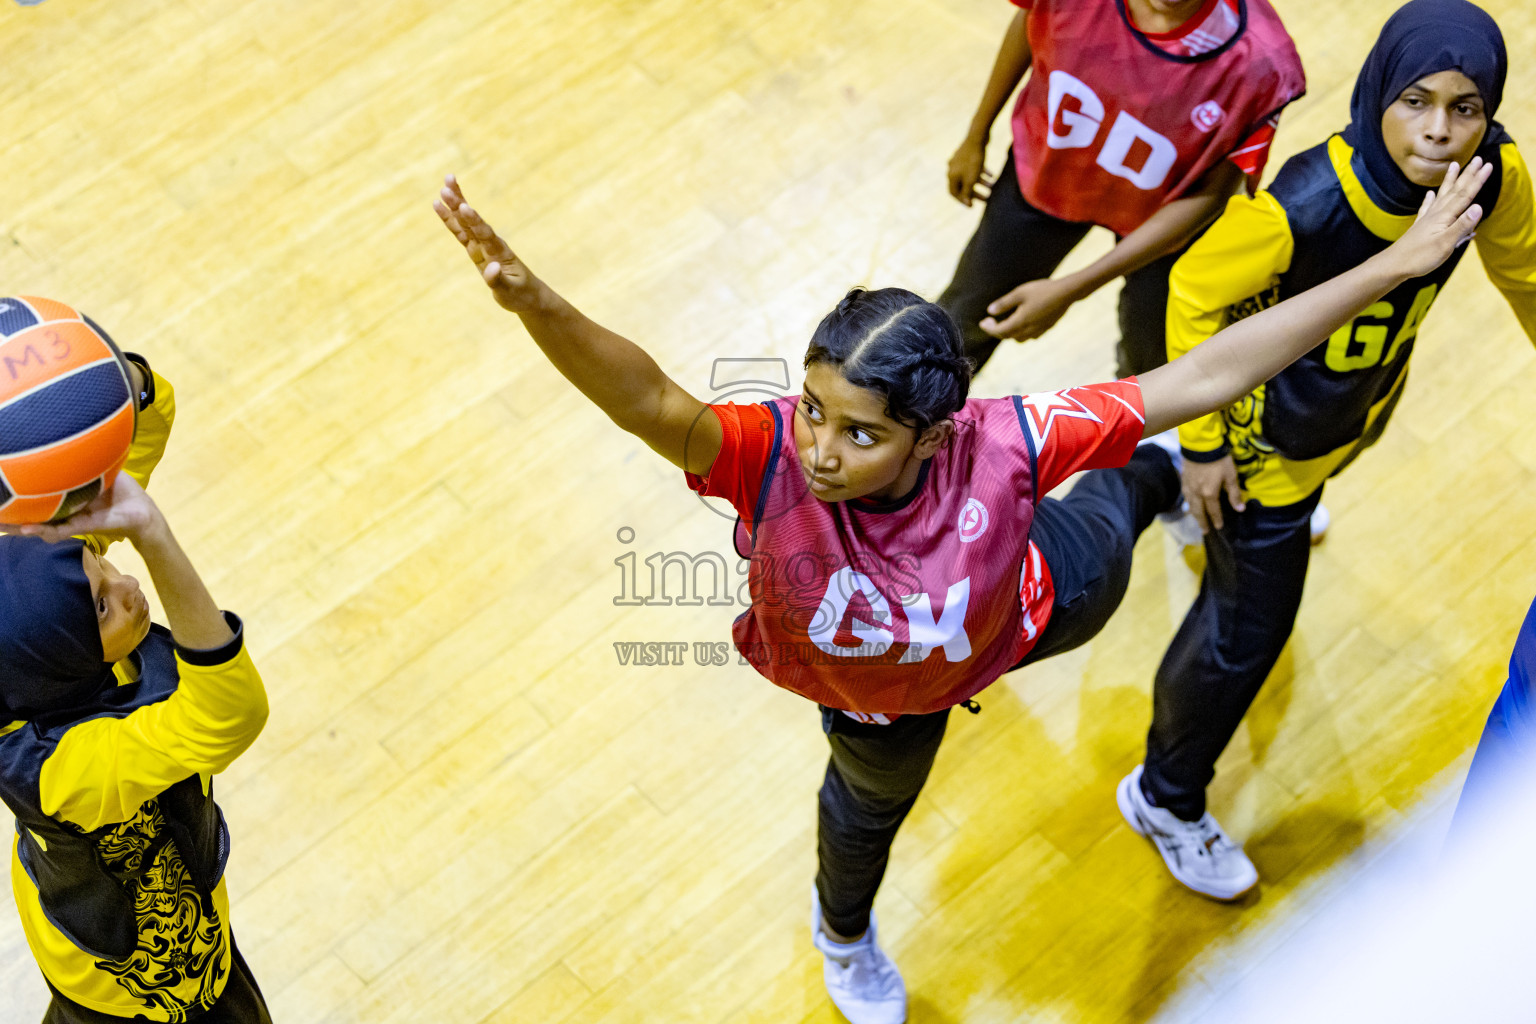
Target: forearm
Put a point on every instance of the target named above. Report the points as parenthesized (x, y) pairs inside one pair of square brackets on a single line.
[(195, 620), (1248, 353), (617, 375), (1013, 59), (1166, 231)]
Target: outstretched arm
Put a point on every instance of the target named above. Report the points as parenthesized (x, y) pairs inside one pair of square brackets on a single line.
[(615, 373), (1248, 353)]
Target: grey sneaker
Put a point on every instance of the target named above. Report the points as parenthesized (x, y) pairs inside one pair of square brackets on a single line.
[(1198, 853), (862, 981), (1181, 526)]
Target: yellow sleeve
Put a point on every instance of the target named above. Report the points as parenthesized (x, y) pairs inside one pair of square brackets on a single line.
[(149, 438), (153, 431), (104, 770), (1506, 241), (1240, 257)]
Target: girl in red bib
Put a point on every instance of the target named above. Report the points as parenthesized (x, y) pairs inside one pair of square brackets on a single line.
[(902, 554), (1140, 116)]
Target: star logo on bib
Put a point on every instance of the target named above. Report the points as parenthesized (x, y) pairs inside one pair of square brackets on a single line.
[(1207, 115), (973, 520), (1042, 410)]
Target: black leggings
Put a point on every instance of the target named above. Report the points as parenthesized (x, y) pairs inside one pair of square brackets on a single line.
[(1015, 243), (876, 771), (241, 1002), (1255, 567)]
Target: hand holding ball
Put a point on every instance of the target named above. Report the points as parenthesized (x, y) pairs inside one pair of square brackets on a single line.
[(67, 414)]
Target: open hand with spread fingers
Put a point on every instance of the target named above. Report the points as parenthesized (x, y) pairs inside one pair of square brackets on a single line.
[(511, 282), (1447, 218)]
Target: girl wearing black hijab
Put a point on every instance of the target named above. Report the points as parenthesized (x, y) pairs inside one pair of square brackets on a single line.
[(1254, 472), (111, 729)]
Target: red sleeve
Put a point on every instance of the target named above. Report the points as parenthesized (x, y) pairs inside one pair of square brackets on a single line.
[(1026, 4), (1253, 152), (1092, 427), (745, 449)]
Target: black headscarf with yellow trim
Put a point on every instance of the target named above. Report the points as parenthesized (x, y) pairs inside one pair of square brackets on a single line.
[(50, 642), (1423, 38)]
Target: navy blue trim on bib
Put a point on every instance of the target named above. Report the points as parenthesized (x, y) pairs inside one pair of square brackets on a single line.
[(1029, 441)]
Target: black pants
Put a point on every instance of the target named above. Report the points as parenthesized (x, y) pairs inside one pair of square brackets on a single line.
[(1255, 567), (241, 1002), (1015, 243), (876, 771)]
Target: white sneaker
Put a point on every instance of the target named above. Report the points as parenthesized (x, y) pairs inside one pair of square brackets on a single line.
[(1198, 853), (862, 981), (1320, 523), (1181, 526)]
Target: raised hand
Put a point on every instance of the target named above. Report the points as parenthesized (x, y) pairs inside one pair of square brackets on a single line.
[(511, 282), (1447, 218)]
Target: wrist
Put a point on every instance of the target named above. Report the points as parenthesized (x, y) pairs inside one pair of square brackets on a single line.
[(549, 302), (1396, 267), (1213, 455), (979, 131), (1079, 284), (1391, 268), (152, 537)]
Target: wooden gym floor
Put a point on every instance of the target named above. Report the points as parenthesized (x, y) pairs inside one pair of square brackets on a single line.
[(464, 809)]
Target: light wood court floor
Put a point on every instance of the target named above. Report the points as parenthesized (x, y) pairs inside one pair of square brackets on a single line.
[(464, 808)]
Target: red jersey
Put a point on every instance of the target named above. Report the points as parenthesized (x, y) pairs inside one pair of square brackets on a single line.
[(1114, 122), (913, 606)]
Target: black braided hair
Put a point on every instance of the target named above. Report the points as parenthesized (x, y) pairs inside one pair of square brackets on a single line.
[(894, 342)]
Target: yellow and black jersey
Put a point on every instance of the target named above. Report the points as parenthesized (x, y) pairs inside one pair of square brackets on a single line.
[(1313, 223), (151, 432), (118, 859)]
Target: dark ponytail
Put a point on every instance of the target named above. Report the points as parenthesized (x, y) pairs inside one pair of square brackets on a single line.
[(896, 343)]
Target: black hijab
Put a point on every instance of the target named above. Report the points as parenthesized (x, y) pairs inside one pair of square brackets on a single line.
[(50, 642), (1424, 37)]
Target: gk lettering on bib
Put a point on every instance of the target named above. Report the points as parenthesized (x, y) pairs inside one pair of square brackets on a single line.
[(914, 606)]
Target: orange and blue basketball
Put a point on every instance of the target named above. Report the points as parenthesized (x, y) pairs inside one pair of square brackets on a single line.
[(66, 410)]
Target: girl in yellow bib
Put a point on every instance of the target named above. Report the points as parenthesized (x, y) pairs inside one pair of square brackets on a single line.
[(111, 729), (1254, 472)]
